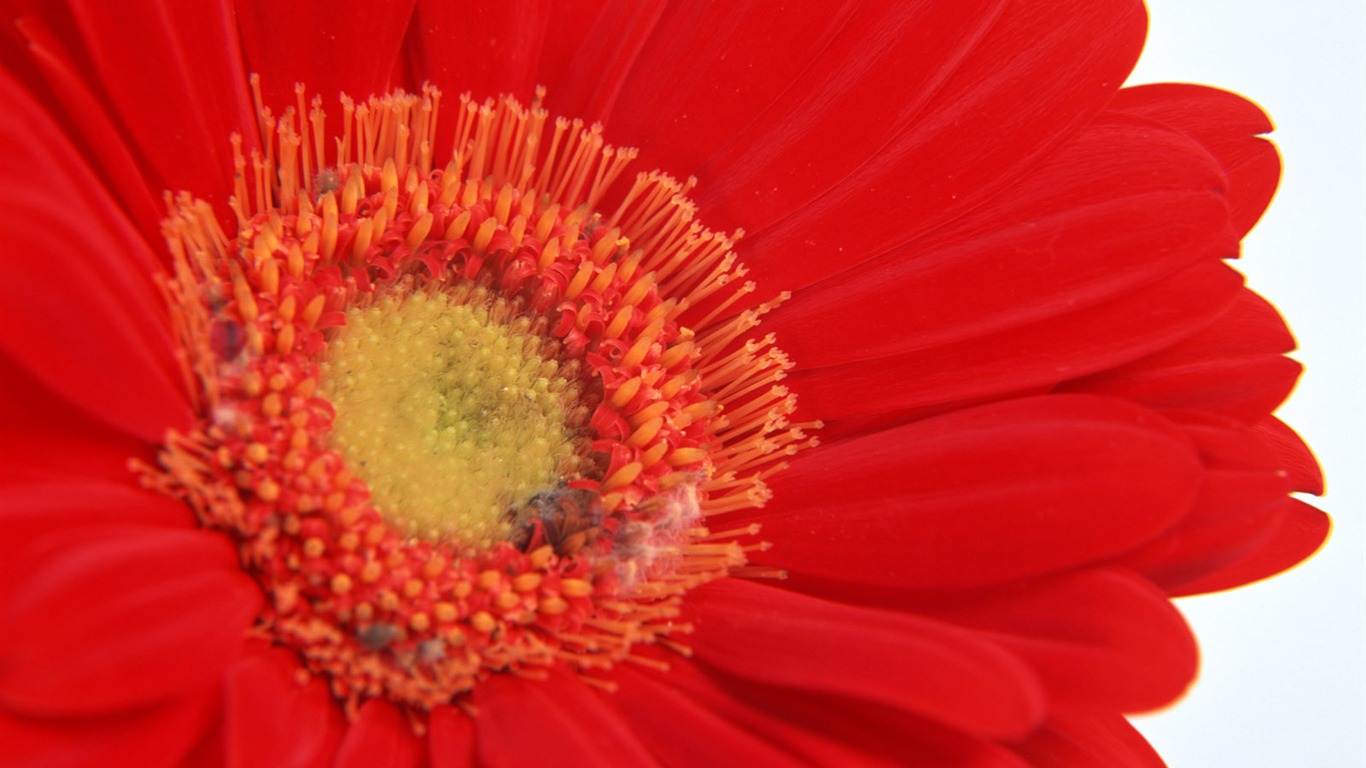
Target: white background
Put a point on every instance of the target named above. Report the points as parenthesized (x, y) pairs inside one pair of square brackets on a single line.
[(1283, 678)]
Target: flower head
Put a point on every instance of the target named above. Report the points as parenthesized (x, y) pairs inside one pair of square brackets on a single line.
[(762, 389)]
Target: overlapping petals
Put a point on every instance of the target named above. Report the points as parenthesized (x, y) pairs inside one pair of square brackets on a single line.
[(1047, 395)]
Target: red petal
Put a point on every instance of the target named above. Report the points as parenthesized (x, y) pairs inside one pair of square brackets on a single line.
[(1301, 530), (48, 440), (710, 70), (270, 718), (827, 730), (986, 495), (594, 76), (580, 50), (48, 38), (490, 49), (1121, 207), (1242, 489), (1089, 740), (683, 731), (121, 617), (39, 517), (932, 669), (77, 302), (380, 737), (1107, 640), (1228, 126), (1235, 367), (450, 739), (1293, 454), (173, 73), (520, 719), (978, 130), (1038, 354), (148, 738), (350, 46)]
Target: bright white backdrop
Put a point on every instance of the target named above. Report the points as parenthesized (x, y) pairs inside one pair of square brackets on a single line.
[(1283, 679)]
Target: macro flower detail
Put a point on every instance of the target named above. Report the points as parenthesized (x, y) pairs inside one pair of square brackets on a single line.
[(506, 452), (466, 413)]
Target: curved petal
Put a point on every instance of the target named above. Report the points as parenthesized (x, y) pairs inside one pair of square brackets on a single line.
[(983, 127), (608, 51), (40, 516), (981, 496), (49, 440), (1236, 367), (1228, 125), (1292, 453), (270, 718), (932, 669), (1241, 492), (519, 717), (380, 737), (1122, 206), (157, 60), (1300, 529), (48, 43), (822, 729), (1098, 639), (351, 46), (1088, 739), (154, 737), (1039, 354), (682, 731), (734, 94), (77, 304), (120, 617), (450, 738)]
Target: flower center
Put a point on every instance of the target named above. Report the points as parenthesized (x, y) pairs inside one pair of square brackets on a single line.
[(449, 415), (459, 421)]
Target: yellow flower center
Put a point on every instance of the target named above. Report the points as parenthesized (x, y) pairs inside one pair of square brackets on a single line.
[(449, 415)]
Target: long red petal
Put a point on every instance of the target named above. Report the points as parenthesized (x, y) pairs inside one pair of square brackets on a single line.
[(120, 617), (1036, 355), (49, 440), (450, 738), (822, 729), (980, 130), (982, 496), (1236, 367), (48, 44), (1242, 490), (682, 731), (351, 46), (1089, 739), (77, 301), (1300, 530), (1229, 126), (380, 737), (554, 722), (932, 669), (1292, 453), (270, 718), (155, 737), (1101, 639), (1121, 207), (174, 75)]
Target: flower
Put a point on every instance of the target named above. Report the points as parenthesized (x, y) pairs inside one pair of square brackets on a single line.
[(1046, 398)]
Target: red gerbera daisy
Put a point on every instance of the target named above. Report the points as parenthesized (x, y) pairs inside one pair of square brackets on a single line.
[(425, 428)]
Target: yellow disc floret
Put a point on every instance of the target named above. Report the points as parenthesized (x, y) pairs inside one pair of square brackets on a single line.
[(450, 416)]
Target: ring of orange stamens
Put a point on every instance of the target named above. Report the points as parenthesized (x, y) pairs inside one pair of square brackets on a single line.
[(677, 422)]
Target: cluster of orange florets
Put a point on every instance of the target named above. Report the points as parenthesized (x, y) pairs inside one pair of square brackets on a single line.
[(599, 564)]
